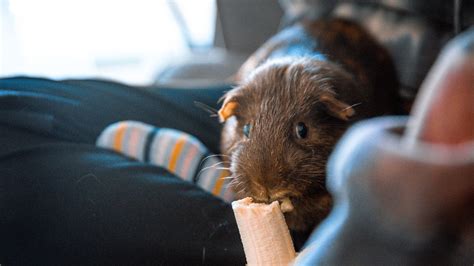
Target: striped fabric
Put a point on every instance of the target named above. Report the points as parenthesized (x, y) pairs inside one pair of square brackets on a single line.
[(180, 153)]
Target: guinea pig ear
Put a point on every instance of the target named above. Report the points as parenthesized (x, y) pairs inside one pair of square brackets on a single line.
[(336, 107), (227, 110), (229, 107)]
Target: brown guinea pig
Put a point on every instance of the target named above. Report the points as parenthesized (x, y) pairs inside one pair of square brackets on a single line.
[(295, 97)]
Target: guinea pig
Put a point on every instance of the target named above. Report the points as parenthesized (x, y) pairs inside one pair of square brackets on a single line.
[(295, 97)]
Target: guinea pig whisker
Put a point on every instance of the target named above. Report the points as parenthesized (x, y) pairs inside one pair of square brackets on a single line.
[(206, 108), (231, 178), (236, 183), (216, 164), (210, 167), (211, 156), (215, 155), (354, 105), (223, 168)]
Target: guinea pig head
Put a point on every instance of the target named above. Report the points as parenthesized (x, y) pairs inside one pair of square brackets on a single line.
[(280, 126)]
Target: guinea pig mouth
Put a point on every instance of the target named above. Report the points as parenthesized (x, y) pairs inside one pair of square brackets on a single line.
[(285, 204), (285, 197)]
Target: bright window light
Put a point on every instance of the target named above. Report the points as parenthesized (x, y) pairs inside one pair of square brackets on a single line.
[(124, 40)]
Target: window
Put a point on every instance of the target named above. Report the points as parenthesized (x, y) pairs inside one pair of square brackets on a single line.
[(124, 40)]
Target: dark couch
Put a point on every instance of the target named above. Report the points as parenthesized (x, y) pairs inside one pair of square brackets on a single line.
[(65, 201)]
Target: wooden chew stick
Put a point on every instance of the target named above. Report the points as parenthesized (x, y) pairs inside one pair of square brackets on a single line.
[(264, 233)]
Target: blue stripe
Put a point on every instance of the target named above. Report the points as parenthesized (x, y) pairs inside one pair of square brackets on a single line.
[(149, 140)]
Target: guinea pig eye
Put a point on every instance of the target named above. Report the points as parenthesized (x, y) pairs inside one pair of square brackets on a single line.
[(246, 130), (301, 130)]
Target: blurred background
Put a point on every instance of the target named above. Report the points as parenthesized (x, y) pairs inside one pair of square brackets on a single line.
[(124, 40), (201, 43), (176, 43)]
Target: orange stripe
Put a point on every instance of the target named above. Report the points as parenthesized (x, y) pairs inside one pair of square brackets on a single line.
[(119, 136), (175, 154), (220, 182)]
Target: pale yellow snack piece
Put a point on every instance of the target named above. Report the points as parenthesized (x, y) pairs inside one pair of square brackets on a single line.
[(264, 233)]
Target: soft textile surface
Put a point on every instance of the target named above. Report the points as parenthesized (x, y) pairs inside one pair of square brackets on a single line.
[(176, 151), (65, 201)]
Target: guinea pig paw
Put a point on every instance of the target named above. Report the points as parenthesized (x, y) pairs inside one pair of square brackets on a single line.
[(286, 205)]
